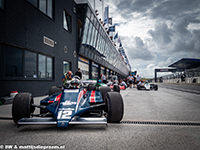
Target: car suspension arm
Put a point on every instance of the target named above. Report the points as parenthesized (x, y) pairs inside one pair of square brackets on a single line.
[(39, 106)]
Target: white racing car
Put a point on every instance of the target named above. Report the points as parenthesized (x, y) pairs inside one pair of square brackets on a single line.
[(147, 86)]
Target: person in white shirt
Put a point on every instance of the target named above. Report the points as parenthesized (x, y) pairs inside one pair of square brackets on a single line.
[(138, 79), (141, 83), (130, 80), (104, 78), (110, 83), (123, 83)]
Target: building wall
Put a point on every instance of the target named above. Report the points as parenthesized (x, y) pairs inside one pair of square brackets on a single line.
[(22, 25)]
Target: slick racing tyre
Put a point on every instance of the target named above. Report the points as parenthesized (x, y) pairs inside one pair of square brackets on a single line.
[(156, 87), (22, 106), (138, 87), (54, 89), (104, 90), (116, 88), (90, 87), (115, 108)]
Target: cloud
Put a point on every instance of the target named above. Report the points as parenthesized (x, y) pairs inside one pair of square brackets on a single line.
[(172, 9), (175, 38), (196, 37), (128, 8), (150, 65), (139, 50), (184, 39), (166, 63), (162, 34)]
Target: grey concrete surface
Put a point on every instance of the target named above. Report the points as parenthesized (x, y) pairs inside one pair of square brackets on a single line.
[(165, 104)]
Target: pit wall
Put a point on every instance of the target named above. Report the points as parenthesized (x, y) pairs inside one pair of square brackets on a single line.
[(187, 80)]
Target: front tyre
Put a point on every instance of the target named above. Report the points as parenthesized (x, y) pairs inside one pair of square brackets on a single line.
[(104, 90), (139, 87), (115, 106), (156, 87), (22, 106), (116, 88)]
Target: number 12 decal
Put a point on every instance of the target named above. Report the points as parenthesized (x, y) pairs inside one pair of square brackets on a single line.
[(64, 114)]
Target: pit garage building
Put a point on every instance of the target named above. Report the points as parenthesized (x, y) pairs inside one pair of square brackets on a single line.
[(42, 39)]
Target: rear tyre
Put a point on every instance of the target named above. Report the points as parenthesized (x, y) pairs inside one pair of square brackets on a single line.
[(138, 87), (115, 110), (90, 87), (116, 88), (156, 87), (22, 106), (104, 90), (54, 89)]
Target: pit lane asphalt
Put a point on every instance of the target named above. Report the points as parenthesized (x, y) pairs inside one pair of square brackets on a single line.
[(163, 105)]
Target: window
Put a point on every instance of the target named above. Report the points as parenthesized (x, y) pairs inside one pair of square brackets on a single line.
[(89, 13), (45, 67), (85, 31), (98, 42), (2, 4), (43, 5), (107, 52), (95, 38), (30, 65), (89, 34), (34, 2), (42, 66), (66, 67), (13, 62), (103, 45), (50, 8), (67, 21), (21, 64), (92, 35), (95, 73), (49, 67), (46, 6)]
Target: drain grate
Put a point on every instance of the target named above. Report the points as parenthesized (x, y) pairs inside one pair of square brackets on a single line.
[(162, 123), (5, 118)]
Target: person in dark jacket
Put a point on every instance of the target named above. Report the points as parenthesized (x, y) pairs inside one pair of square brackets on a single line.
[(78, 73)]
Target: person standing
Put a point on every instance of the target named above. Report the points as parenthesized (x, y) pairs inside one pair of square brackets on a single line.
[(138, 79), (134, 81), (104, 78), (78, 73), (67, 76), (101, 78), (130, 80)]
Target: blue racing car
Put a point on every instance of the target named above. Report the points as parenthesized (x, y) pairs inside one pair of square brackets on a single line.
[(85, 102)]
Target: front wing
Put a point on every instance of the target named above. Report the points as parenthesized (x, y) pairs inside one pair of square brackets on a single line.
[(52, 121)]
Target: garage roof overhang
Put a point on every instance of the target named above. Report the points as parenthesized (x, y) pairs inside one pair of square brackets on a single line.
[(186, 63)]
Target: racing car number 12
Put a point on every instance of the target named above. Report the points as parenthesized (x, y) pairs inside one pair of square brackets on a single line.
[(64, 114)]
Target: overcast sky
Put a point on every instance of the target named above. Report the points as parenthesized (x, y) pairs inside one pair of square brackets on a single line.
[(155, 33)]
